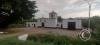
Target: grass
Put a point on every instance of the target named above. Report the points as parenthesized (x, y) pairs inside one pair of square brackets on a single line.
[(46, 39), (59, 40), (10, 33), (15, 41)]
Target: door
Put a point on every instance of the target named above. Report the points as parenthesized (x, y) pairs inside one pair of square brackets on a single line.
[(61, 26), (71, 25), (42, 24), (34, 25)]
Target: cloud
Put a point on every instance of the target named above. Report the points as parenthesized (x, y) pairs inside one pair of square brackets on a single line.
[(66, 8)]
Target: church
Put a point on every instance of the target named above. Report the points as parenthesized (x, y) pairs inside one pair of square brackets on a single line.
[(52, 22)]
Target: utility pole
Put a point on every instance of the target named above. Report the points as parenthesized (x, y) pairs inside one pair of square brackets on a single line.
[(89, 23), (90, 5)]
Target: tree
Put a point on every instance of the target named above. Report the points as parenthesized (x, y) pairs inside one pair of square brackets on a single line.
[(59, 19), (85, 23), (13, 11), (95, 20)]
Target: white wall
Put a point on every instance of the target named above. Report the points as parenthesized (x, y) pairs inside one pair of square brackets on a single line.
[(30, 24), (65, 23), (78, 23), (51, 23), (47, 22)]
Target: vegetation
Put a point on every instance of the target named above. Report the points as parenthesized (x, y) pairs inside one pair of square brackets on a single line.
[(60, 40), (95, 21), (95, 26), (15, 41), (46, 39), (59, 19), (15, 11)]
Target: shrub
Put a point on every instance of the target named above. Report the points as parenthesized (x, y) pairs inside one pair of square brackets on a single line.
[(59, 40)]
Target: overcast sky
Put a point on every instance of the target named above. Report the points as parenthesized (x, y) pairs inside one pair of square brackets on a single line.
[(67, 8)]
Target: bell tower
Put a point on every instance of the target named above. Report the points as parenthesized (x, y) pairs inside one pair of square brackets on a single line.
[(53, 15)]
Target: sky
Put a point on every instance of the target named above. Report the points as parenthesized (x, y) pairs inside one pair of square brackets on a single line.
[(67, 8)]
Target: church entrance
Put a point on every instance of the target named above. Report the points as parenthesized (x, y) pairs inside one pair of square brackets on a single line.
[(43, 24), (61, 26), (34, 25), (71, 25)]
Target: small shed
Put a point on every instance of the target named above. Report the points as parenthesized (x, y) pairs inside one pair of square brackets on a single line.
[(72, 24)]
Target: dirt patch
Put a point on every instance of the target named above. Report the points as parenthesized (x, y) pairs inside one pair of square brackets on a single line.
[(30, 31), (65, 32)]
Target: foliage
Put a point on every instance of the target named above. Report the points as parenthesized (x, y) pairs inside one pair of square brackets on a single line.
[(94, 22), (97, 34), (42, 39), (85, 23), (14, 11), (59, 40), (15, 41), (59, 19), (95, 25)]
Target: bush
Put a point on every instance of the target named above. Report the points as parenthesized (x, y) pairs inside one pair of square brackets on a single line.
[(97, 34), (59, 40)]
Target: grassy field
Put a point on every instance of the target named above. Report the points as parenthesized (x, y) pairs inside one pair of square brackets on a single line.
[(46, 39)]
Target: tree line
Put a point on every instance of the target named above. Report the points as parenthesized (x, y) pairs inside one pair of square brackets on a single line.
[(14, 11), (95, 22)]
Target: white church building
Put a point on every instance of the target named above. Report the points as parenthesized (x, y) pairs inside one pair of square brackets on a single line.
[(52, 22)]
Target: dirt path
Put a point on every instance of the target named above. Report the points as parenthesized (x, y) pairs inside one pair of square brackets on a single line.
[(65, 32), (69, 33)]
